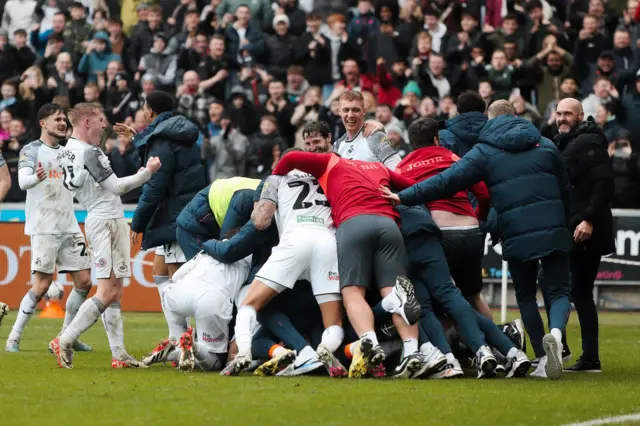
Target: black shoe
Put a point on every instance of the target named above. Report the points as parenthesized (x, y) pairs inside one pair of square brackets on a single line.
[(585, 366), (410, 309), (377, 356), (514, 330)]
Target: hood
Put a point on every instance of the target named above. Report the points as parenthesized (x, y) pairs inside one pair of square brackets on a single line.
[(467, 126), (512, 134), (175, 128), (587, 127), (101, 35)]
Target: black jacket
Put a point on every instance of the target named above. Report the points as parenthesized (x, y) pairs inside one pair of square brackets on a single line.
[(280, 53), (317, 69), (260, 154), (584, 151), (171, 138)]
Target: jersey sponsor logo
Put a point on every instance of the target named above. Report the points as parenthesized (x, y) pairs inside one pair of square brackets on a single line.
[(334, 276), (312, 219), (123, 267), (419, 164), (101, 263), (211, 339), (55, 174)]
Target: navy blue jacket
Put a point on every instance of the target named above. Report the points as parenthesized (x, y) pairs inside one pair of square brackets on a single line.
[(528, 183), (462, 132), (171, 138)]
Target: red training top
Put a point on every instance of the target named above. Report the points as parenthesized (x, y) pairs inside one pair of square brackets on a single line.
[(352, 187), (424, 163)]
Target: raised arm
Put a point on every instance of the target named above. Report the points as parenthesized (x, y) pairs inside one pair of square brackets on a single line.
[(5, 179), (308, 162), (97, 164), (380, 145)]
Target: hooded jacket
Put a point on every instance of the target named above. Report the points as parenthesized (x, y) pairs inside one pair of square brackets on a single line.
[(95, 62), (527, 181), (171, 138), (462, 132), (584, 151)]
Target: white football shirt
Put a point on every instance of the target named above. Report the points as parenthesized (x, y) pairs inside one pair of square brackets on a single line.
[(49, 207), (85, 168), (227, 278), (300, 200), (375, 148)]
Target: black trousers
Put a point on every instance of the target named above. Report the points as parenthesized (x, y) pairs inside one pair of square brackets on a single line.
[(584, 269)]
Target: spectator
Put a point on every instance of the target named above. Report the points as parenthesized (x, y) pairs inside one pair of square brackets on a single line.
[(434, 83), (384, 114), (500, 74), (33, 92), (552, 64), (264, 149), (603, 91), (9, 95), (178, 20), (590, 42), (296, 19), (315, 51), (626, 172), (18, 14), (508, 31), (185, 37), (605, 67), (334, 120), (279, 106), (390, 82), (396, 136), (7, 57), (159, 64), (242, 112), (97, 57), (119, 100), (280, 47), (39, 38), (143, 38), (296, 83), (193, 54), (213, 70), (427, 108), (363, 26), (107, 80), (446, 108), (227, 8), (485, 89), (353, 80), (6, 117), (252, 82), (120, 43), (54, 47), (437, 30), (407, 108), (524, 109), (629, 114), (307, 110), (63, 81), (243, 39), (91, 93), (215, 115), (77, 31), (226, 151), (24, 55), (193, 102), (125, 161), (606, 119)]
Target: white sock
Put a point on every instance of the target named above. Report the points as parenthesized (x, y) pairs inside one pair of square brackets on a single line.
[(245, 323), (450, 358), (512, 353), (409, 346), (74, 301), (279, 351), (27, 308), (391, 303), (332, 337), (112, 320), (371, 335), (557, 333), (161, 281), (87, 315)]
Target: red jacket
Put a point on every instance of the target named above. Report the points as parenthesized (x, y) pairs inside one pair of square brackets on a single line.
[(387, 92)]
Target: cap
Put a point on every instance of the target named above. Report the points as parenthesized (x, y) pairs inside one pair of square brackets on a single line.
[(142, 6), (606, 54), (162, 36), (280, 18)]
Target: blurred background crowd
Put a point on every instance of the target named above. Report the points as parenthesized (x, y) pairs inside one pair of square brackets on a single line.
[(252, 73)]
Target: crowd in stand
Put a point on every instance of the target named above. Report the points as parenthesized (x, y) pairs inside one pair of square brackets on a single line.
[(252, 73)]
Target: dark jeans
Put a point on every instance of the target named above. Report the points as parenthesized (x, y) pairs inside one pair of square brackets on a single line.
[(555, 289)]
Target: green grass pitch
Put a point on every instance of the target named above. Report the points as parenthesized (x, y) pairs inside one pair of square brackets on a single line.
[(35, 391)]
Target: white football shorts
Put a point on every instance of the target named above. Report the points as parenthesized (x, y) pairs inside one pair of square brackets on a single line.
[(110, 242), (67, 252)]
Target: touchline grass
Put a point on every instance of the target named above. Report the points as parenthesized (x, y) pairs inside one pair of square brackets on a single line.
[(34, 391)]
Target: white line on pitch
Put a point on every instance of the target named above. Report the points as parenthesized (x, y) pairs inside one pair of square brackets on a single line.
[(608, 420)]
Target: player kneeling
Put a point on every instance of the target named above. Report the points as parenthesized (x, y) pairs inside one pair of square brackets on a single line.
[(203, 289)]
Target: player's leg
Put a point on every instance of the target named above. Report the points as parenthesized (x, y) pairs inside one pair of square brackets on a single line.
[(162, 280), (44, 249), (464, 251), (74, 258), (557, 288), (173, 257), (4, 310)]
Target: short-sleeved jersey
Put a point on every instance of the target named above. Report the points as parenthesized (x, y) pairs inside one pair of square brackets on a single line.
[(85, 168), (300, 200), (376, 147), (49, 206)]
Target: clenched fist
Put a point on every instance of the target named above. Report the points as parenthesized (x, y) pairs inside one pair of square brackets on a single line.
[(153, 164)]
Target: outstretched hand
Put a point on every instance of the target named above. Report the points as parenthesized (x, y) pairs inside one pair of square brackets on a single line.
[(372, 126), (386, 193)]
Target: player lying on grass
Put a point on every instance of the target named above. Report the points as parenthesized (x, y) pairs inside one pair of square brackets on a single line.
[(91, 180)]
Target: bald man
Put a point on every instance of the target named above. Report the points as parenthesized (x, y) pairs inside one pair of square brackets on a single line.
[(583, 147), (529, 187)]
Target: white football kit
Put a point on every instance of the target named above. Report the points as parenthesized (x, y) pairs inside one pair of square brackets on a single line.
[(205, 289), (86, 172), (56, 239), (307, 247), (375, 148)]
